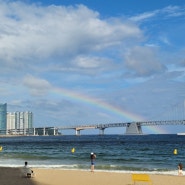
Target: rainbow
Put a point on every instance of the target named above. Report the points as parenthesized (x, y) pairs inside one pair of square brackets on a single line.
[(104, 106), (154, 130)]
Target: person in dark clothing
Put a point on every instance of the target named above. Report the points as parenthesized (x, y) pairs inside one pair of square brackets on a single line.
[(92, 157)]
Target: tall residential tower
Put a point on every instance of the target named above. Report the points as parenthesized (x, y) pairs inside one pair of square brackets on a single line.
[(19, 121), (3, 118)]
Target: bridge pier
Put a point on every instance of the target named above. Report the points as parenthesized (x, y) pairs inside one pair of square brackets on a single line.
[(77, 132), (133, 129), (44, 131), (34, 131), (101, 131), (54, 131)]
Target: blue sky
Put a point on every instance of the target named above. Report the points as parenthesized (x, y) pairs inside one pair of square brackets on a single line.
[(86, 62)]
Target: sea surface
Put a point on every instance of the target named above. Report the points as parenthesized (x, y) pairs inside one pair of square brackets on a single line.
[(115, 153)]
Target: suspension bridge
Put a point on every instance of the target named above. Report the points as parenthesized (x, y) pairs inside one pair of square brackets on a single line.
[(132, 128)]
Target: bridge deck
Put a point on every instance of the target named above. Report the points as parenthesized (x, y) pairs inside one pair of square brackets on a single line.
[(132, 127)]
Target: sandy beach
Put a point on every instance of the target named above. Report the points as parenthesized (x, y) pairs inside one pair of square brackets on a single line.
[(12, 176)]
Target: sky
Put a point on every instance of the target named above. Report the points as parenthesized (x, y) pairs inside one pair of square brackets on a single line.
[(80, 62)]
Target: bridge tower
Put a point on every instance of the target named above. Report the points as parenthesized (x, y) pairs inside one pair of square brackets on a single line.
[(133, 129)]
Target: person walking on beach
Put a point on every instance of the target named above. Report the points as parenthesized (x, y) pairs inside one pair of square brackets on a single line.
[(27, 171), (92, 157), (180, 169)]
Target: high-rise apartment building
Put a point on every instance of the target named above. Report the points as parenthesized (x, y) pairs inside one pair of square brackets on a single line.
[(28, 119), (10, 120), (19, 121), (13, 122), (3, 118)]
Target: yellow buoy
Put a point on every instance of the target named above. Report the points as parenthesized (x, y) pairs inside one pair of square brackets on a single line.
[(175, 152), (1, 148), (73, 150)]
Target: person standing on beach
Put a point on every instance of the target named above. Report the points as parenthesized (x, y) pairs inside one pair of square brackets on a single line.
[(180, 169), (92, 157)]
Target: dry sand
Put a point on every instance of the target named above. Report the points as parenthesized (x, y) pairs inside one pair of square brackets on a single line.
[(12, 176)]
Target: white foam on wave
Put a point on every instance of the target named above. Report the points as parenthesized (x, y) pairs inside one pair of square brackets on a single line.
[(76, 167)]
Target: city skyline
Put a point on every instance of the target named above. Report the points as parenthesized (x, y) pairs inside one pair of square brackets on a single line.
[(14, 122), (84, 62), (21, 123)]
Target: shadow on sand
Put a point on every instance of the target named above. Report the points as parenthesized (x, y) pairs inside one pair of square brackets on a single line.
[(12, 176)]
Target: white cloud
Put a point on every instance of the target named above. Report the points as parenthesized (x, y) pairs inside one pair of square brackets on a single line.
[(164, 13), (143, 62), (29, 31), (36, 86), (92, 65), (143, 16)]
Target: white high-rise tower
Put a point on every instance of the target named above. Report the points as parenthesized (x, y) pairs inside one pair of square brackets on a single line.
[(19, 121)]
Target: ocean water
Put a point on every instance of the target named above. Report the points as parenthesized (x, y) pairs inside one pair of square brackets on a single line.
[(117, 153)]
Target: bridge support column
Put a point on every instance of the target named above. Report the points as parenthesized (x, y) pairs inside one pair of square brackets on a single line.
[(134, 129), (44, 131), (55, 131), (77, 132), (101, 131), (34, 131)]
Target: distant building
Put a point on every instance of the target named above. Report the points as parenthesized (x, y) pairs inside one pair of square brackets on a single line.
[(10, 120), (3, 118), (19, 122), (15, 122)]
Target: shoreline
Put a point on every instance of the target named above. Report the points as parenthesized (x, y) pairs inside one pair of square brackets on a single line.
[(12, 176), (44, 167)]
